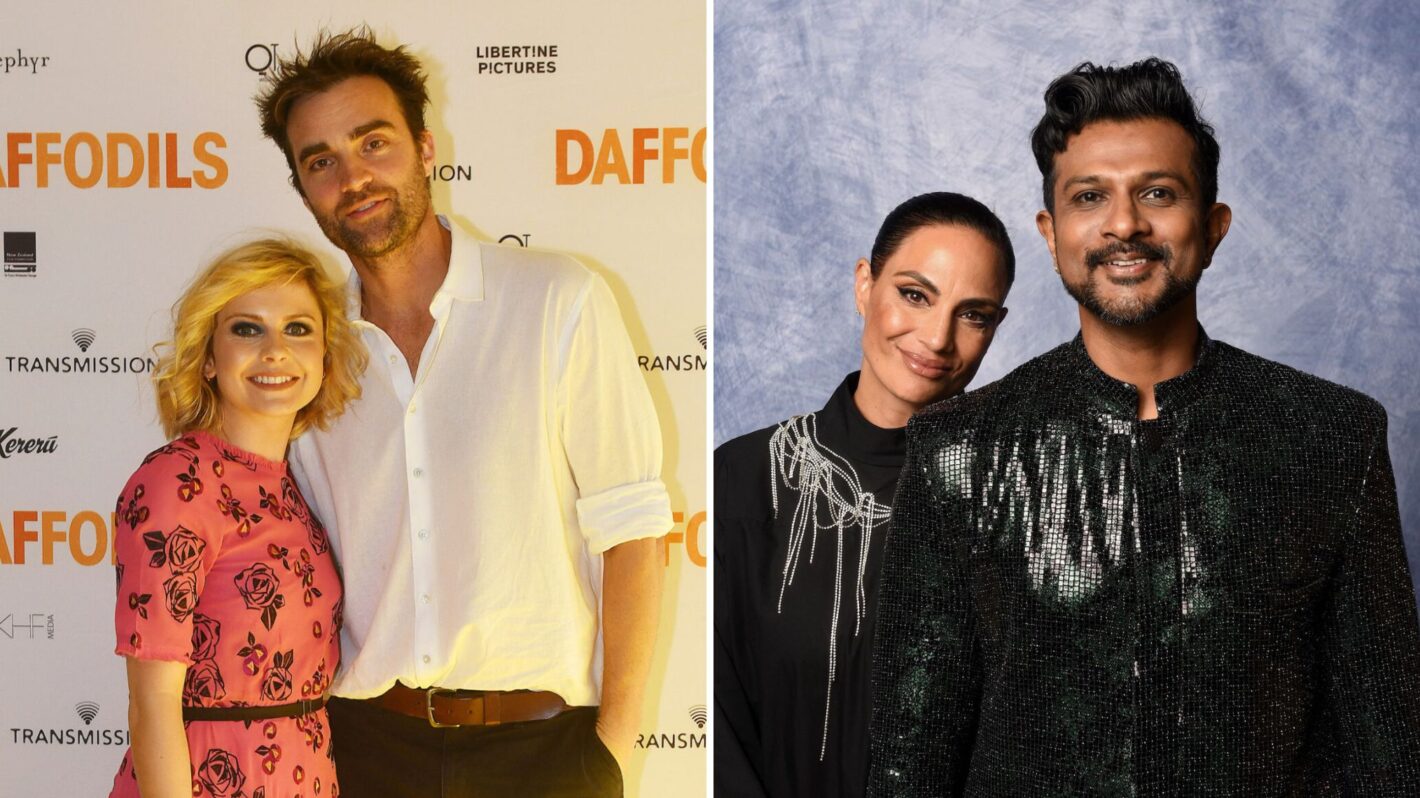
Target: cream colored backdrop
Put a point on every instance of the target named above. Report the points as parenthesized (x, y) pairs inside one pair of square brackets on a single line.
[(132, 153)]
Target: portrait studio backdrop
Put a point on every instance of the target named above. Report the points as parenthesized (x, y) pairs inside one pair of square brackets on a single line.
[(133, 154), (828, 114)]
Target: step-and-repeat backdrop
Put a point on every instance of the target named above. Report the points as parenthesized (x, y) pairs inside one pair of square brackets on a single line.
[(132, 154)]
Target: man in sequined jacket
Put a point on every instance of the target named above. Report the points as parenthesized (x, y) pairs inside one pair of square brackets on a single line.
[(1146, 562)]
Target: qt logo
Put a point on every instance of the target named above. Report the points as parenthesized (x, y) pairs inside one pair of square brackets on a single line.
[(261, 57)]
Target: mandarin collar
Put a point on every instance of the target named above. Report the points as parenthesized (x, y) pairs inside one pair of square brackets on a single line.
[(1122, 398), (842, 427)]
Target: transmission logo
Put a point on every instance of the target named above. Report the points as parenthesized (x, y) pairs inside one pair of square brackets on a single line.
[(698, 715), (678, 361), (83, 363), (87, 711)]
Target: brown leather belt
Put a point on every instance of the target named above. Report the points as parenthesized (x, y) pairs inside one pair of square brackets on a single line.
[(470, 707)]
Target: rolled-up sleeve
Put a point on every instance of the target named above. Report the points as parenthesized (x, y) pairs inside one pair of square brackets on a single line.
[(609, 427)]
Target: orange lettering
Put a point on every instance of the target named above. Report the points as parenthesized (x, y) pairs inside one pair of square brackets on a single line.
[(692, 539), (153, 162), (96, 160), (23, 532), (200, 150), (670, 153), (697, 155), (584, 142), (610, 159), (14, 156), (641, 152), (117, 177), (50, 533), (175, 180), (46, 158), (76, 548)]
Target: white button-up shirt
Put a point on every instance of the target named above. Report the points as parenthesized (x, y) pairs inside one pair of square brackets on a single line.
[(469, 505)]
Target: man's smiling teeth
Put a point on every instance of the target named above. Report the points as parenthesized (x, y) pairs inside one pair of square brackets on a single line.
[(366, 206), (273, 380), (1134, 262)]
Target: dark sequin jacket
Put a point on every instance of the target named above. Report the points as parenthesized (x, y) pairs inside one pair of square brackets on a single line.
[(1215, 602)]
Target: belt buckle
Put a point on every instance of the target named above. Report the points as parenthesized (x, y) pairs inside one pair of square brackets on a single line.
[(429, 707)]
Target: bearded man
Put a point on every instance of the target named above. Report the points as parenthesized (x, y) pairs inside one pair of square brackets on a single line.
[(1145, 562)]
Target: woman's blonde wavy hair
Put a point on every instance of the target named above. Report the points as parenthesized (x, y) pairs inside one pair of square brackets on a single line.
[(187, 401)]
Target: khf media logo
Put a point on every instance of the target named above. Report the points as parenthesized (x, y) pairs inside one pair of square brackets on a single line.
[(27, 626)]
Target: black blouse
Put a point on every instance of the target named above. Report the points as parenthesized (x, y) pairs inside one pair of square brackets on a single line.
[(801, 513)]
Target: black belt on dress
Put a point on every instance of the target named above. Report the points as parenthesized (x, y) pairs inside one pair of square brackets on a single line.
[(293, 710)]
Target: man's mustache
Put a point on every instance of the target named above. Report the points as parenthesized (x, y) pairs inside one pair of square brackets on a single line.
[(1139, 249)]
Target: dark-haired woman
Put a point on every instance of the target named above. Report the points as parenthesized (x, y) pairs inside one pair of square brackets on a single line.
[(801, 508)]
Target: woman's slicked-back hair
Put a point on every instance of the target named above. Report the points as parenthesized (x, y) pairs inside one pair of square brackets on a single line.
[(1147, 89), (944, 208), (187, 401), (333, 58)]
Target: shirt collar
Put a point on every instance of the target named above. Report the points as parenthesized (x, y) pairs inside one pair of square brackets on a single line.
[(1121, 397), (464, 280)]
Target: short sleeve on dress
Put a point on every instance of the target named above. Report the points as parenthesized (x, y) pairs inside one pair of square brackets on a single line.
[(164, 551)]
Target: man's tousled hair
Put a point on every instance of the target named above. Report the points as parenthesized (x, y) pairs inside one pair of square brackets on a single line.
[(334, 57), (1147, 89)]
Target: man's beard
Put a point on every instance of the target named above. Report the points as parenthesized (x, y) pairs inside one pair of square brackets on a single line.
[(408, 205), (1130, 311)]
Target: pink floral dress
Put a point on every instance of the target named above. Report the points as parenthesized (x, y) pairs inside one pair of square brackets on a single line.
[(222, 567)]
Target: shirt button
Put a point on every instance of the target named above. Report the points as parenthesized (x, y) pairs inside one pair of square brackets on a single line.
[(394, 360), (418, 472), (423, 534), (426, 597), (426, 659), (411, 410)]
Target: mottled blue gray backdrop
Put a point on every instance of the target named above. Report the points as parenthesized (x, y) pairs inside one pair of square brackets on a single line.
[(828, 113)]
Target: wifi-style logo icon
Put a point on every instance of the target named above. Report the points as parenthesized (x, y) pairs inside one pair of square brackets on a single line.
[(697, 712), (87, 710), (702, 335), (84, 337)]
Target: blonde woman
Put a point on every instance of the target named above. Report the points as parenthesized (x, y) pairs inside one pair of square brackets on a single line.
[(228, 597)]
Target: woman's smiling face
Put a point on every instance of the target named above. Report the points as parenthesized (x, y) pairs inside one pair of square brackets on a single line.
[(928, 319)]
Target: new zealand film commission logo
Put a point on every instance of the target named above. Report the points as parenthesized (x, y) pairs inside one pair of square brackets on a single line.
[(678, 740), (21, 258), (85, 711), (678, 361), (83, 363)]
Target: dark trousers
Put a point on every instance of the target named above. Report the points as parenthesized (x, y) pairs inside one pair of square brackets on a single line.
[(383, 754)]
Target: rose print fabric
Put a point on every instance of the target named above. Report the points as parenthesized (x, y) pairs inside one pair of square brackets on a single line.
[(222, 567)]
